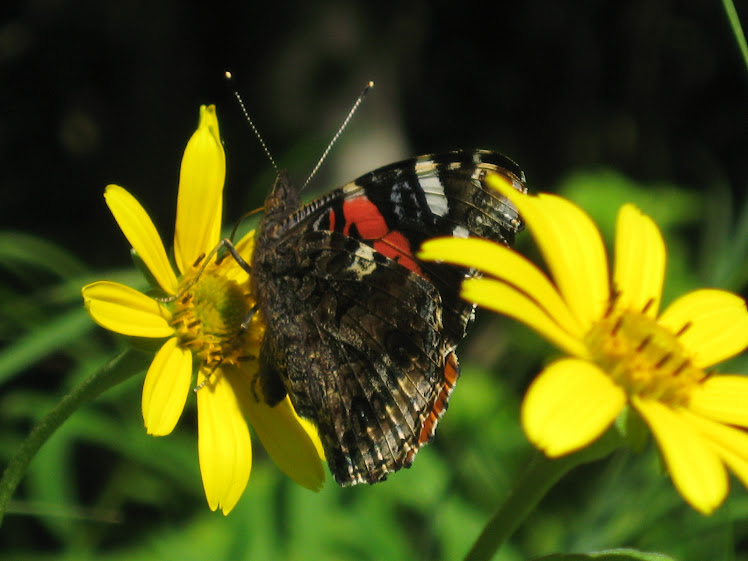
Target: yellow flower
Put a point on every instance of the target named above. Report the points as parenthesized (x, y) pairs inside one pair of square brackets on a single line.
[(201, 319), (622, 350)]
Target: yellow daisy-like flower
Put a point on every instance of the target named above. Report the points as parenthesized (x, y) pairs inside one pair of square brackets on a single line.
[(202, 322), (623, 350)]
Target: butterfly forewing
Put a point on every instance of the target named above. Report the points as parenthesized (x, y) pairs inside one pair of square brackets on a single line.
[(397, 207)]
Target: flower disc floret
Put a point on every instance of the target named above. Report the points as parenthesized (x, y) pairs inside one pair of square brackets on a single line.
[(209, 317), (643, 357)]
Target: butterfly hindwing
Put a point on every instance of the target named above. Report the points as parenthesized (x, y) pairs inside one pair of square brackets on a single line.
[(363, 354)]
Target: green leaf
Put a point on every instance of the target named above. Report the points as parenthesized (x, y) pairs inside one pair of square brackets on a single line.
[(609, 555), (27, 251), (35, 345), (737, 29), (601, 193)]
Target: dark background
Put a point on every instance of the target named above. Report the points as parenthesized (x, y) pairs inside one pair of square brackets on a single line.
[(97, 92)]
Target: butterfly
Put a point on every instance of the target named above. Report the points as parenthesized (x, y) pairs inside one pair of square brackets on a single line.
[(361, 334)]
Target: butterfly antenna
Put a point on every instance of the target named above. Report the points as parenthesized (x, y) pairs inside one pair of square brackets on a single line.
[(340, 131), (251, 123)]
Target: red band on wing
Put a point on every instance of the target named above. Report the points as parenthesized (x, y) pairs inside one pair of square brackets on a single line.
[(371, 226), (365, 215), (396, 246), (331, 219)]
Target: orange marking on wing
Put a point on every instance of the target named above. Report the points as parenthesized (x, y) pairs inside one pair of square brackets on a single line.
[(367, 218), (372, 227), (331, 219), (451, 373), (396, 246)]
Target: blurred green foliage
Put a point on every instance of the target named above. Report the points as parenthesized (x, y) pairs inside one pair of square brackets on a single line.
[(103, 489)]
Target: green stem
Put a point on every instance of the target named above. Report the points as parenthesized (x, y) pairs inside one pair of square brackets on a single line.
[(732, 16), (540, 476), (115, 371)]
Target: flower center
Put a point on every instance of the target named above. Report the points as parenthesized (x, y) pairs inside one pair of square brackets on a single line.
[(209, 318), (643, 357)]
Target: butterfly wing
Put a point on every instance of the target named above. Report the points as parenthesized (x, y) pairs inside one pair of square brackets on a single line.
[(397, 207), (358, 344), (360, 332)]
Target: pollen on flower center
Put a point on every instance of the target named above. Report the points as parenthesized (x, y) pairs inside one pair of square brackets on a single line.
[(208, 319), (643, 357)]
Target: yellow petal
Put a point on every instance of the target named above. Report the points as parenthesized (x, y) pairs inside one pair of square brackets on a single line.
[(166, 387), (245, 248), (200, 200), (124, 310), (695, 468), (722, 398), (292, 442), (293, 446), (714, 325), (139, 230), (735, 459), (639, 262), (508, 300), (569, 405), (224, 446), (571, 246), (501, 262), (730, 443)]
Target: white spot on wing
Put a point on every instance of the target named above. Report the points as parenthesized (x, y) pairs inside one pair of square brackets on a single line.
[(460, 232), (364, 265), (435, 197)]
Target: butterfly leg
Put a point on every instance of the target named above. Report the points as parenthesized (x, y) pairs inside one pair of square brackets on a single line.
[(229, 246), (202, 262)]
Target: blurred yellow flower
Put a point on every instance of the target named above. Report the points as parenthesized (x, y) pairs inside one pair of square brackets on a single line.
[(202, 321), (622, 349)]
